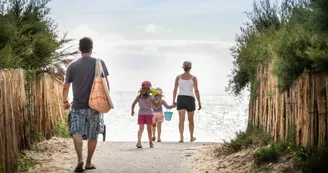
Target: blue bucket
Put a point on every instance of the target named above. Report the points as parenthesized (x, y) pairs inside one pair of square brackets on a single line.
[(168, 115)]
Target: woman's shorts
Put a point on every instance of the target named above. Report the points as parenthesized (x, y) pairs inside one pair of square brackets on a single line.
[(187, 103)]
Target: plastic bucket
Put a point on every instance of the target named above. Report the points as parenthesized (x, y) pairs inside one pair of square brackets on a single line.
[(168, 115)]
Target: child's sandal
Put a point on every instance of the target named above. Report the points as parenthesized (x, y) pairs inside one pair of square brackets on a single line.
[(139, 145)]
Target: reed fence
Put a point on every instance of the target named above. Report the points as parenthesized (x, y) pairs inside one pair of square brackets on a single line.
[(299, 112), (28, 110)]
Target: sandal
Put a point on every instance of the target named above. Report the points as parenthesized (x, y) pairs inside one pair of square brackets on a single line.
[(151, 145), (92, 167), (159, 140), (154, 138), (139, 145), (181, 141), (80, 168)]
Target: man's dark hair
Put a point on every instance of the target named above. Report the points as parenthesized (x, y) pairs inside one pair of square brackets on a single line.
[(86, 45)]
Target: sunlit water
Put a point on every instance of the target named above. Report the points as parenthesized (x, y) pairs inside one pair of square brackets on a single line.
[(219, 119)]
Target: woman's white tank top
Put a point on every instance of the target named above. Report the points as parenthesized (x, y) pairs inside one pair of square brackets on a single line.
[(186, 87)]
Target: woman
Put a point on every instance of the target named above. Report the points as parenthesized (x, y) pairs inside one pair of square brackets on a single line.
[(188, 88)]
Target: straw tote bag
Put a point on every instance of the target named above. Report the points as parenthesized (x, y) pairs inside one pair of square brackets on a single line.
[(99, 99)]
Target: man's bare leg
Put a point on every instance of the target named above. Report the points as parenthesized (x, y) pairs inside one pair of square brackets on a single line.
[(91, 149), (78, 144)]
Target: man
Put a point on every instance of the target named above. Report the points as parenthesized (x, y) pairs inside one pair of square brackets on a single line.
[(84, 120)]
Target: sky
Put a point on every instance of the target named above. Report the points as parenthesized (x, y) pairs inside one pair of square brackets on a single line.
[(150, 39)]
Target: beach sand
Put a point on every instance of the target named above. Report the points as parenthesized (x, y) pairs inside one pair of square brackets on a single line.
[(58, 155)]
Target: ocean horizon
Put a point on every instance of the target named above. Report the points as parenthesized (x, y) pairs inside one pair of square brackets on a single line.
[(221, 116)]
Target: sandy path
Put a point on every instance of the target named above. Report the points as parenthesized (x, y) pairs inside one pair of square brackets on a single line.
[(58, 155)]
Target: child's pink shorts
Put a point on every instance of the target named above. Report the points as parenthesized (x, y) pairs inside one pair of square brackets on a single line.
[(158, 118), (145, 119)]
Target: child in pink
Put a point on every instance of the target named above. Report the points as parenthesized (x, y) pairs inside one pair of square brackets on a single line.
[(158, 115), (145, 113)]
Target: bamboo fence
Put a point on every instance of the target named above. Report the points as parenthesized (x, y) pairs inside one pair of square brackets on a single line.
[(27, 111), (302, 108)]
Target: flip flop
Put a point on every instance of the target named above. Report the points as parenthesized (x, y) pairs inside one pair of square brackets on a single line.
[(92, 167), (139, 145), (79, 170)]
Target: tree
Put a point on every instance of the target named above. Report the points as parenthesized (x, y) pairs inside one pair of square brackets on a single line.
[(29, 38)]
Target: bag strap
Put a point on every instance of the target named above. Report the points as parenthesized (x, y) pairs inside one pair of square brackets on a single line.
[(101, 71), (96, 68)]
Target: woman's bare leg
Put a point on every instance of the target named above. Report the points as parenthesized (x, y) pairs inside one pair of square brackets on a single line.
[(181, 123), (191, 125)]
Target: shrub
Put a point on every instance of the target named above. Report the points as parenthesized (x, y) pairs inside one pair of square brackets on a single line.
[(311, 159), (269, 153), (61, 129), (254, 136), (24, 163)]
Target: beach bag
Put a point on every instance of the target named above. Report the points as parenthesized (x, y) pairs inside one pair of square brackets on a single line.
[(99, 99)]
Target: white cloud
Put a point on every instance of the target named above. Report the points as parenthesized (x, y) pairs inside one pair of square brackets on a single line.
[(116, 43), (136, 58), (154, 28)]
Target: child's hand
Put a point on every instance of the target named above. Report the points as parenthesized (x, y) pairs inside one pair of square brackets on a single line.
[(132, 113)]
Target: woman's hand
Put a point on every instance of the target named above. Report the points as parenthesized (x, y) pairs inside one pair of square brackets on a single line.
[(132, 113), (199, 106)]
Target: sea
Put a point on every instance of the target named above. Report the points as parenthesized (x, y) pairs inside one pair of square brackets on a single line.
[(219, 119)]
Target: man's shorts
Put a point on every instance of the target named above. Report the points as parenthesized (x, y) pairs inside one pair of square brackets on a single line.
[(85, 121), (145, 119)]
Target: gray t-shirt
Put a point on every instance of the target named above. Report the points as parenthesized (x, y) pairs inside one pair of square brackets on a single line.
[(81, 73), (145, 105)]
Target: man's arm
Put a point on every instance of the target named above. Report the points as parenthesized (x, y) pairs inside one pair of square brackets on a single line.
[(67, 84), (107, 83), (65, 92), (105, 72)]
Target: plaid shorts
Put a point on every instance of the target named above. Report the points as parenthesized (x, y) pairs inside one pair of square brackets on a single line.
[(85, 122)]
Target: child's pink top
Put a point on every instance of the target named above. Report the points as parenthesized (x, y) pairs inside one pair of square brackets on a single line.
[(145, 105)]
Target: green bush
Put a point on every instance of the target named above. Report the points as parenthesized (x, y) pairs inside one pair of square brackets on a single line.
[(269, 153), (2, 169), (24, 163), (254, 136), (29, 38), (293, 35), (61, 130), (311, 159)]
